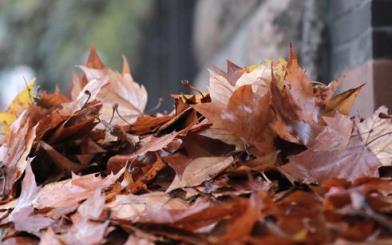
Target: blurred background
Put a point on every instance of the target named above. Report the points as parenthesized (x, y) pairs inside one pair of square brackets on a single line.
[(168, 41)]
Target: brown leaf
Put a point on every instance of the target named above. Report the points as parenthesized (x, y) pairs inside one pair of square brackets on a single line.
[(93, 60), (297, 114), (50, 238), (178, 162), (324, 93), (335, 134), (52, 100), (77, 125), (241, 227), (233, 71), (14, 152), (115, 91), (203, 214), (376, 133), (22, 216), (147, 124), (70, 192), (220, 87), (185, 119), (343, 102), (60, 160), (152, 144), (85, 228), (246, 115), (350, 163), (126, 69), (200, 170), (140, 184), (145, 208)]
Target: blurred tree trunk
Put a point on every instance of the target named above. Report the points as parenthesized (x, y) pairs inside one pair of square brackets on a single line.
[(166, 53)]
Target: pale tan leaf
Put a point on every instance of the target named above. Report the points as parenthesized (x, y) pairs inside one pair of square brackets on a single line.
[(200, 170), (343, 102), (220, 88), (136, 207), (70, 192), (22, 216), (376, 133), (14, 152)]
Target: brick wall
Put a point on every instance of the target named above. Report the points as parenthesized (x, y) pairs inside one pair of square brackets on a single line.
[(361, 49)]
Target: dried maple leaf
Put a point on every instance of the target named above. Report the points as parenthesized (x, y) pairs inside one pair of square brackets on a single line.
[(60, 160), (334, 135), (296, 111), (376, 133), (351, 162), (220, 88), (139, 184), (76, 125), (343, 102), (48, 237), (199, 170), (246, 115), (51, 100), (219, 157), (233, 71), (149, 207), (204, 214), (14, 152), (70, 192), (324, 93), (93, 62), (117, 92), (177, 162), (223, 84), (260, 75), (150, 144), (84, 230), (241, 227), (147, 124), (138, 240), (122, 98), (22, 216)]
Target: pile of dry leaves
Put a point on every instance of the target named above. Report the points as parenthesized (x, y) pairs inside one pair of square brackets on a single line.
[(266, 156)]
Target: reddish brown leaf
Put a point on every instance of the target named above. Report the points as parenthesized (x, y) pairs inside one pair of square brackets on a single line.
[(241, 227), (140, 184), (178, 162), (350, 163), (246, 115), (147, 124), (335, 135)]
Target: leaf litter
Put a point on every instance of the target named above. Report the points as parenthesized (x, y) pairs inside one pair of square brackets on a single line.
[(266, 155)]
